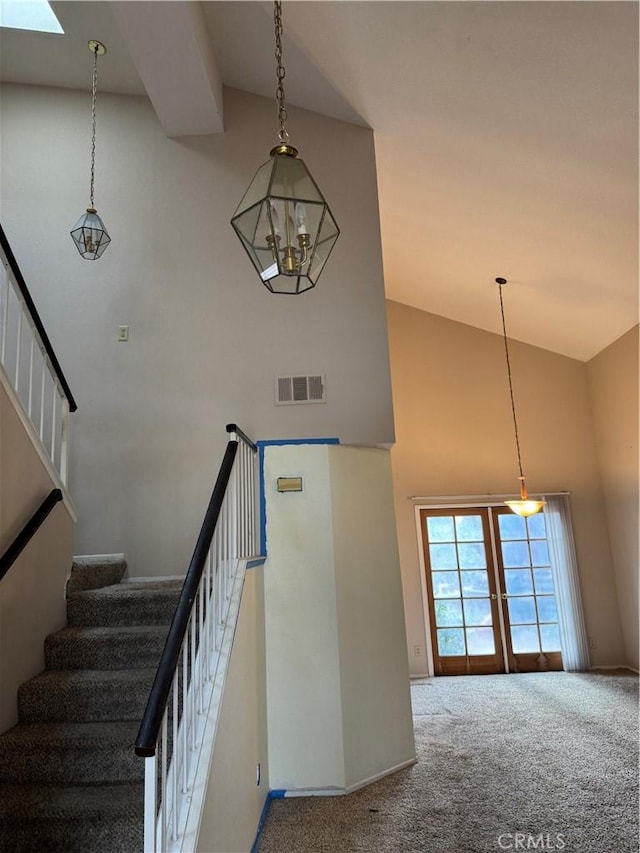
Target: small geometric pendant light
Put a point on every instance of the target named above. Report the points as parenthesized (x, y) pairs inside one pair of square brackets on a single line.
[(525, 506), (283, 221), (89, 234)]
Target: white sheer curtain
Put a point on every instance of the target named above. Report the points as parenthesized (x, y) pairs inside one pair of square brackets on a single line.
[(573, 635)]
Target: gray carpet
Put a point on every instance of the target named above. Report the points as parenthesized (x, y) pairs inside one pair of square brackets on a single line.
[(69, 778), (553, 756)]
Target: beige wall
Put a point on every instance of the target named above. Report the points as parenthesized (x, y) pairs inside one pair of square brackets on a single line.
[(234, 801), (376, 705), (455, 437), (206, 338), (613, 384), (32, 602)]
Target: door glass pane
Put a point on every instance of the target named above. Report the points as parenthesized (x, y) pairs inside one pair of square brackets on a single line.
[(524, 638), (544, 580), (445, 584), (440, 528), (469, 528), (518, 581), (547, 611), (443, 557), (472, 556), (550, 636), (511, 526), (448, 613), (522, 610), (536, 526), (450, 641), (475, 583), (480, 641), (477, 611), (539, 553), (515, 553)]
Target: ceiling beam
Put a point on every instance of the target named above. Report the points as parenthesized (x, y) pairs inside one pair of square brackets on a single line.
[(172, 52)]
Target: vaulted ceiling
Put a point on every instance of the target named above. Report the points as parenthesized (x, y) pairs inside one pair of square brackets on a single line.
[(506, 133)]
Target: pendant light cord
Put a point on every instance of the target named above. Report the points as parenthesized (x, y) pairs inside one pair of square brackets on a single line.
[(94, 95), (283, 135), (513, 405)]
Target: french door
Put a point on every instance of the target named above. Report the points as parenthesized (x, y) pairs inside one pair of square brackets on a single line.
[(490, 591)]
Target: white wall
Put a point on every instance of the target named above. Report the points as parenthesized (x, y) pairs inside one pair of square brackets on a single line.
[(613, 386), (337, 679), (206, 338), (455, 437), (306, 746), (234, 801), (32, 602)]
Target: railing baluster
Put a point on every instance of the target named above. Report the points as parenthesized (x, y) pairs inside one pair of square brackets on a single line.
[(43, 388), (53, 425), (64, 441), (163, 791), (150, 802), (185, 732), (30, 395), (16, 384), (5, 320), (176, 766)]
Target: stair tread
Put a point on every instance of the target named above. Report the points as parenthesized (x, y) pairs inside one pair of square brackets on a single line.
[(50, 802), (105, 631), (126, 589), (99, 735), (97, 676)]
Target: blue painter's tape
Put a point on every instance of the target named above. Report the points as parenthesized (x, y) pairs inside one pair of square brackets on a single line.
[(279, 442), (272, 795), (254, 564)]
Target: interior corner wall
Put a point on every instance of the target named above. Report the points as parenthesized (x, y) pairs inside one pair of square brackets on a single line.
[(613, 386), (235, 796), (339, 711), (454, 436), (32, 593), (206, 339), (374, 676)]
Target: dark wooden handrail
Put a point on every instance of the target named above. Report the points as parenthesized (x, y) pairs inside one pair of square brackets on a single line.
[(147, 740), (37, 322), (22, 539), (245, 438)]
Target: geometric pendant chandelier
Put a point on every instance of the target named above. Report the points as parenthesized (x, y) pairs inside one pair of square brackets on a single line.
[(283, 220), (525, 506), (89, 233)]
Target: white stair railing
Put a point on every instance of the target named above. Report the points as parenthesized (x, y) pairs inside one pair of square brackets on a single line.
[(30, 370), (178, 728)]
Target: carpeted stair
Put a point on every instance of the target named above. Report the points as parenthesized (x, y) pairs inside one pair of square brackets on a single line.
[(69, 779)]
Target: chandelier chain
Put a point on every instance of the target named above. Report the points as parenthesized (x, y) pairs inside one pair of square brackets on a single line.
[(280, 73), (94, 95), (513, 405)]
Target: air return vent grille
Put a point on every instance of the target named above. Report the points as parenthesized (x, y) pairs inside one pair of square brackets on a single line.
[(292, 390)]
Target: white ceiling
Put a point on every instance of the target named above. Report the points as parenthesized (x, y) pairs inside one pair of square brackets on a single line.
[(506, 136)]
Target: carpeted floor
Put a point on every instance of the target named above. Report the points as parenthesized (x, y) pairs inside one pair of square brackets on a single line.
[(552, 756)]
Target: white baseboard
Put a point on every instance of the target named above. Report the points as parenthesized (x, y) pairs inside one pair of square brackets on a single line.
[(339, 792), (618, 666)]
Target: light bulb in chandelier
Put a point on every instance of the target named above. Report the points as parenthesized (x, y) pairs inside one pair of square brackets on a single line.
[(525, 506), (283, 220), (89, 233)]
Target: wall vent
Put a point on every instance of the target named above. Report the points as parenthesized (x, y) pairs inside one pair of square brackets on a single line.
[(292, 390)]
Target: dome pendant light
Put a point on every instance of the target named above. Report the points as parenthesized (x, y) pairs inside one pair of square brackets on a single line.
[(89, 234), (283, 221), (525, 506)]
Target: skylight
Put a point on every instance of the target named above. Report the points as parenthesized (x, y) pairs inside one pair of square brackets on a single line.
[(29, 15)]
